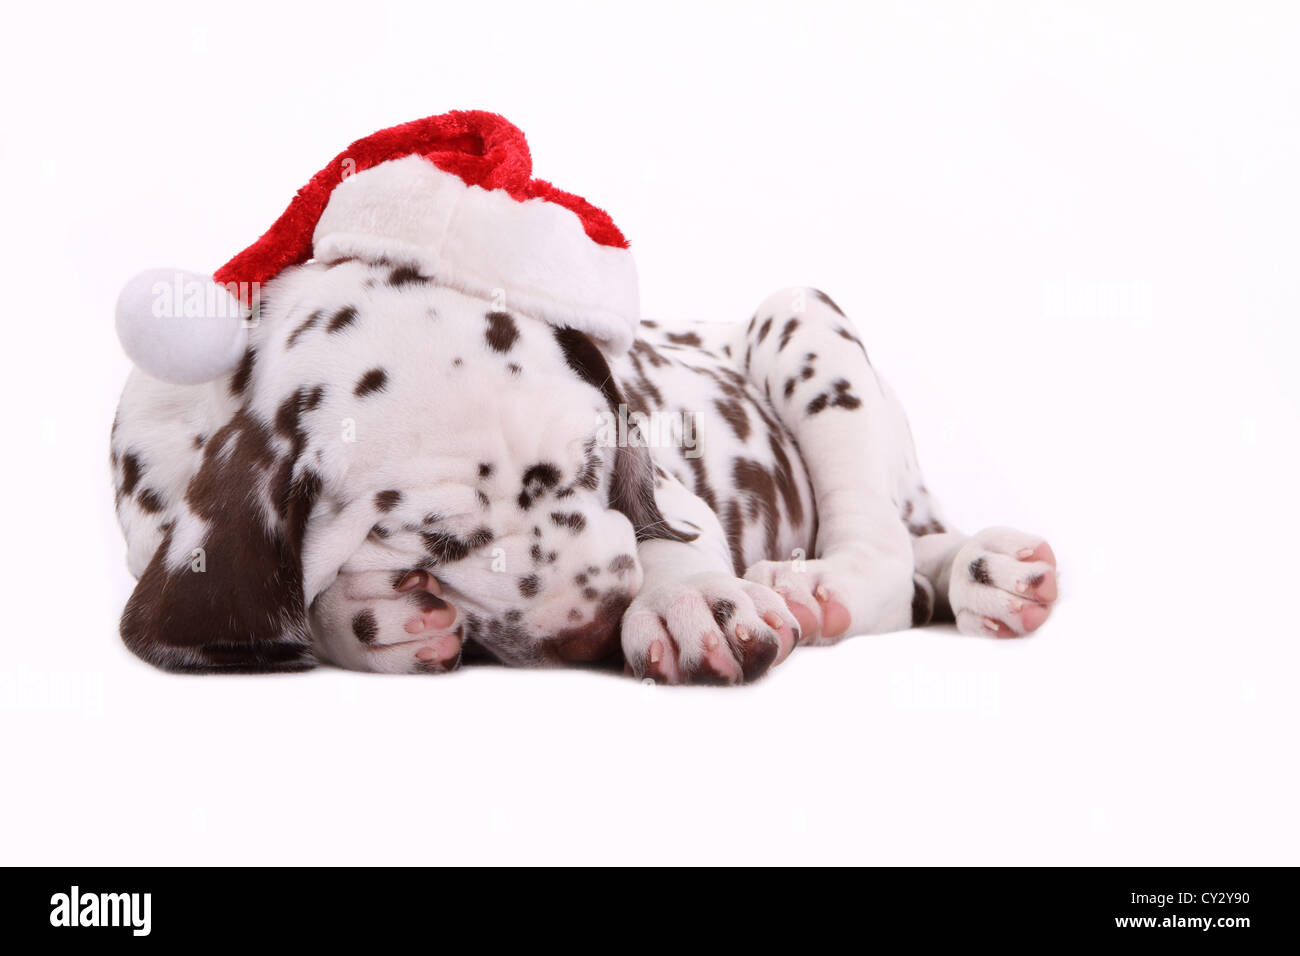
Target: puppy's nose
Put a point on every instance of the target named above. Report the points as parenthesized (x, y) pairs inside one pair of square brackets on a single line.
[(597, 639)]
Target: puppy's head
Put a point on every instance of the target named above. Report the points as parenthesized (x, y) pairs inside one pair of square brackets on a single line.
[(426, 429)]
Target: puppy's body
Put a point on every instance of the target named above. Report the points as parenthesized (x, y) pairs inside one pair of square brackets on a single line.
[(398, 470)]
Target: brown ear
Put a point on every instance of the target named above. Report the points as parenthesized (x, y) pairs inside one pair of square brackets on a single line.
[(224, 591), (632, 489)]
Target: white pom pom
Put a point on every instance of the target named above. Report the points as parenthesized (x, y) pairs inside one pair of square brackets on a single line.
[(181, 327)]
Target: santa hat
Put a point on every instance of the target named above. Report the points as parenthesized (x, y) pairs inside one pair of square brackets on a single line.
[(452, 194)]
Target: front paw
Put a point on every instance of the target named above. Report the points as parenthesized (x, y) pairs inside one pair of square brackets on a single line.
[(707, 629), (391, 622), (1003, 583)]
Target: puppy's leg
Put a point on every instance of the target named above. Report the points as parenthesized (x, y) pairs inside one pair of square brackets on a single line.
[(392, 622), (802, 351)]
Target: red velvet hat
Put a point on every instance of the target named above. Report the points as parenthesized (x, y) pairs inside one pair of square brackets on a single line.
[(453, 194)]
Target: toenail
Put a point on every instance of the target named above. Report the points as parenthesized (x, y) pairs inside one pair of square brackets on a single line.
[(1024, 553), (710, 641), (774, 619), (1016, 605), (742, 635), (991, 624), (822, 594), (410, 581), (656, 652), (1022, 587)]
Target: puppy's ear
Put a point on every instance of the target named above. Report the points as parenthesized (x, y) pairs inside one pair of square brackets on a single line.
[(224, 592), (632, 488), (632, 492)]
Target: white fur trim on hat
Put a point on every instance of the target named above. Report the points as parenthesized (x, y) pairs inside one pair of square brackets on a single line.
[(532, 256)]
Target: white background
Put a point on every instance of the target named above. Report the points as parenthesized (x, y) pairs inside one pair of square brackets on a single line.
[(1068, 237)]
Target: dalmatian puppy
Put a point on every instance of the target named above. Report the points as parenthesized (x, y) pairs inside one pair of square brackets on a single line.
[(438, 429), (401, 475)]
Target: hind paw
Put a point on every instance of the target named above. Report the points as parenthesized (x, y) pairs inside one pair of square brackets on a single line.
[(1003, 583)]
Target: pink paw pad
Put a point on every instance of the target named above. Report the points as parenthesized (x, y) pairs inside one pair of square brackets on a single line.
[(442, 653), (717, 666), (784, 633), (809, 626), (835, 616), (424, 592), (1038, 587)]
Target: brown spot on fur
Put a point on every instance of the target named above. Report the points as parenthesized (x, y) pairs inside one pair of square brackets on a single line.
[(130, 473), (244, 373), (920, 529), (734, 523), (569, 519), (756, 483), (644, 350), (502, 333), (446, 548), (733, 413), (386, 501), (404, 276), (827, 300), (307, 324), (684, 338), (364, 626), (702, 487), (374, 380), (786, 333), (850, 337), (785, 483), (341, 319)]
